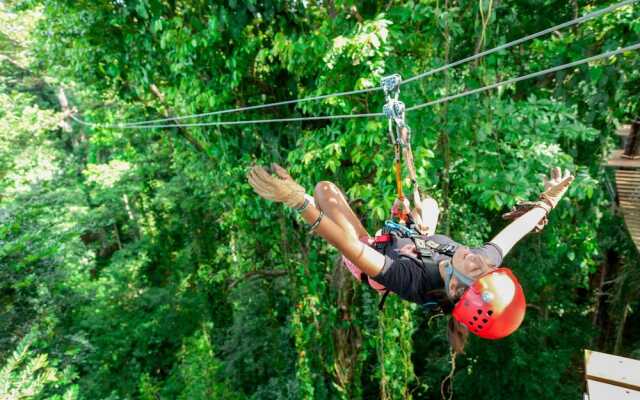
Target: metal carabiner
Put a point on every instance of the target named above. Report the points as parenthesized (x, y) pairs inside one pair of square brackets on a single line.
[(391, 86)]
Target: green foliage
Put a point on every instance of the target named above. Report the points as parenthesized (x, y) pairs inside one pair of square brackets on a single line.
[(394, 348), (25, 374), (146, 269), (197, 373)]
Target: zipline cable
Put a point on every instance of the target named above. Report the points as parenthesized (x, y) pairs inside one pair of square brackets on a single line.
[(373, 115), (524, 77), (223, 123), (256, 107), (563, 25)]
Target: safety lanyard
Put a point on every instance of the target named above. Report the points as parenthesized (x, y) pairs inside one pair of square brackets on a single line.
[(400, 136)]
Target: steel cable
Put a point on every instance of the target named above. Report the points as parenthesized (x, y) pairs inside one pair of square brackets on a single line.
[(373, 115), (524, 77), (563, 25), (256, 107), (223, 123), (567, 24)]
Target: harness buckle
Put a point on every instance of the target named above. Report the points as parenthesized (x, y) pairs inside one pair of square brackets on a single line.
[(422, 247), (391, 226)]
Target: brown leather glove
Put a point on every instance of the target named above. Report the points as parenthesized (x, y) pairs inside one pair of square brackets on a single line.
[(555, 188), (281, 188), (526, 206)]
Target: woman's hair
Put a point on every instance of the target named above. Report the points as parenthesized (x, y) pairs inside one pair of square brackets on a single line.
[(457, 334)]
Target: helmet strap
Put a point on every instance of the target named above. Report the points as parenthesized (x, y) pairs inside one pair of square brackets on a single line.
[(450, 271)]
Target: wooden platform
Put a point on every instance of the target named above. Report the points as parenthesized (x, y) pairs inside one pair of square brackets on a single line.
[(616, 160), (602, 391), (611, 377), (628, 186)]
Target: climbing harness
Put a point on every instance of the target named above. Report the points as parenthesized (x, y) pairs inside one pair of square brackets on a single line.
[(394, 235)]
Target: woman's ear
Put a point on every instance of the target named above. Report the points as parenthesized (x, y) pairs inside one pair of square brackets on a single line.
[(453, 286)]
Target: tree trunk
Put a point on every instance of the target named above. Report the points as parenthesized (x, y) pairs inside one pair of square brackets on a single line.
[(620, 330), (443, 140), (181, 130), (347, 339), (600, 291)]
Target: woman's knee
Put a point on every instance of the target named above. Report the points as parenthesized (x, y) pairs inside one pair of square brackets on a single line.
[(430, 215), (430, 206), (324, 191)]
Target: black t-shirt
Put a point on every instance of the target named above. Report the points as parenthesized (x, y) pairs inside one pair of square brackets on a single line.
[(406, 275)]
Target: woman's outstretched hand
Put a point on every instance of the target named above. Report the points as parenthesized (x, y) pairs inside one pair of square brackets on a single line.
[(532, 215), (556, 186), (281, 187)]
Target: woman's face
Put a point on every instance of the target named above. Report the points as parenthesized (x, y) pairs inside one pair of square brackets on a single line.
[(470, 264)]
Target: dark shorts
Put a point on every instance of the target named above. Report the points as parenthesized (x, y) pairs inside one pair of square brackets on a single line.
[(408, 278)]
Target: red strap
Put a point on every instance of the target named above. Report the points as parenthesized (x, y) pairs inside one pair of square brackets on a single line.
[(382, 238)]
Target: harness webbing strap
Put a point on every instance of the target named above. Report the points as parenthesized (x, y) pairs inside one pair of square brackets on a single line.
[(364, 278), (428, 246), (426, 249), (384, 298)]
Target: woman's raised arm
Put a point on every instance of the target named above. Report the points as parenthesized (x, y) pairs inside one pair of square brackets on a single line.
[(282, 188), (533, 215)]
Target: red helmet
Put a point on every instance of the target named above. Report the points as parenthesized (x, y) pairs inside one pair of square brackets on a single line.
[(494, 306)]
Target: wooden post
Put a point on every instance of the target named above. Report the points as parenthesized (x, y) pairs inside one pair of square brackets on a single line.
[(633, 142)]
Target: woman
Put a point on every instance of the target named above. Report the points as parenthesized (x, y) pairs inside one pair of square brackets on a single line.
[(488, 300)]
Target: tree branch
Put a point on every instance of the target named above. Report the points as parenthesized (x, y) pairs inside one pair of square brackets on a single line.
[(181, 130), (258, 274)]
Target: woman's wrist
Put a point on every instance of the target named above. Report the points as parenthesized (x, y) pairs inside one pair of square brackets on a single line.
[(306, 202), (310, 214), (316, 223)]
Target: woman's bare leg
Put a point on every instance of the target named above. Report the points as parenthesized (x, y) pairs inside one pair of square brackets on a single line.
[(330, 199)]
